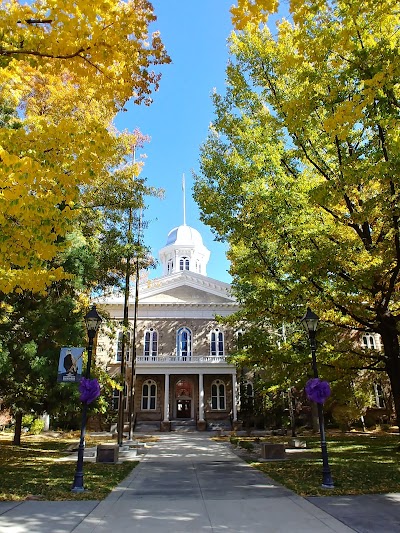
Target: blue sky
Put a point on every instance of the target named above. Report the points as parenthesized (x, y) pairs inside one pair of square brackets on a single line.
[(195, 35)]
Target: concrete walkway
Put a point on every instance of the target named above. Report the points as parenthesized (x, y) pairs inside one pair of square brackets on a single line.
[(188, 483), (185, 483)]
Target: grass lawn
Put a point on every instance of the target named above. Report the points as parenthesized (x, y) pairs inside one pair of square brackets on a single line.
[(33, 469), (360, 464)]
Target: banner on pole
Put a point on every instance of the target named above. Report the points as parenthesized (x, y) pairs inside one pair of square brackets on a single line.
[(70, 365)]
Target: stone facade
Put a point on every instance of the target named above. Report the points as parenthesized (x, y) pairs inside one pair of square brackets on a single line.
[(185, 375)]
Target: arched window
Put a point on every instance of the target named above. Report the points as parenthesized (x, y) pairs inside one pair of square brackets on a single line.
[(170, 266), (378, 394), (184, 263), (149, 395), (218, 395), (150, 343), (120, 337), (183, 388), (368, 342), (217, 342), (184, 343), (249, 389)]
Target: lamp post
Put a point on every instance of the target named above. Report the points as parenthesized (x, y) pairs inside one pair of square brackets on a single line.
[(92, 321), (310, 324)]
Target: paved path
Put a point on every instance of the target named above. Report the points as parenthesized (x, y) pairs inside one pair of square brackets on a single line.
[(185, 483), (368, 513)]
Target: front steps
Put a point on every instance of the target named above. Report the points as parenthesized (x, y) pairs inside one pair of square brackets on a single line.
[(183, 425)]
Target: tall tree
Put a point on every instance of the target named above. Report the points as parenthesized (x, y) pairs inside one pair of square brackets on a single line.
[(33, 327), (68, 67), (301, 169)]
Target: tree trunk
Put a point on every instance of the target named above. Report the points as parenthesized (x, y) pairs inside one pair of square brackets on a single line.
[(18, 428), (291, 413), (390, 341)]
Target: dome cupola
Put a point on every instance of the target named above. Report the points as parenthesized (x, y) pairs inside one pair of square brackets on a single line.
[(184, 250)]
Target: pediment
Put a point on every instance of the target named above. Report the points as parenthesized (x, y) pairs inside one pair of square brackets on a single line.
[(185, 294), (185, 287)]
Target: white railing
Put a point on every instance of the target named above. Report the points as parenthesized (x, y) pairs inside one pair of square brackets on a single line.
[(174, 359)]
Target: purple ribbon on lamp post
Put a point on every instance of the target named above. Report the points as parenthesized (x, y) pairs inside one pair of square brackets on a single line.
[(89, 389), (317, 390)]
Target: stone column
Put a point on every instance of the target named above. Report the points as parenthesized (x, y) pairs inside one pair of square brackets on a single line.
[(176, 266), (234, 399), (166, 424), (201, 423)]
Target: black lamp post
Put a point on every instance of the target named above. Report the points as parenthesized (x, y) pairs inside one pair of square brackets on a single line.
[(310, 324), (92, 321)]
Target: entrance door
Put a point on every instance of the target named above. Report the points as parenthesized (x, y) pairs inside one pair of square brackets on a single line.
[(183, 408)]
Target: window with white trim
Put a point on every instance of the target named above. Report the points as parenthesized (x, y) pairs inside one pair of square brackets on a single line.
[(368, 342), (378, 395), (217, 342), (170, 266), (150, 343), (218, 398), (184, 263), (120, 337), (115, 398), (149, 395), (184, 343)]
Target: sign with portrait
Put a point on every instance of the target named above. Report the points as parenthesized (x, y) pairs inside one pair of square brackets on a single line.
[(70, 365)]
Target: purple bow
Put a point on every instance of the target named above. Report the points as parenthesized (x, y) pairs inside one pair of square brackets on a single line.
[(317, 391), (89, 389)]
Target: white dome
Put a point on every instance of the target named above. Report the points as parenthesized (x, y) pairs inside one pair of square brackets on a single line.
[(184, 236), (184, 250)]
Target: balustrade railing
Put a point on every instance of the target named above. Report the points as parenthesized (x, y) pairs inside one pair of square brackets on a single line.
[(175, 359)]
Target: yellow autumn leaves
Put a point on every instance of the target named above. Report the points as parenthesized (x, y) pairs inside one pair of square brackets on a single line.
[(66, 68)]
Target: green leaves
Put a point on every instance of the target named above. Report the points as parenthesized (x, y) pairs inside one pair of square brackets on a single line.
[(300, 174)]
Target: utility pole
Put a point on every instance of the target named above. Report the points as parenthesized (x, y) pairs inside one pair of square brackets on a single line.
[(133, 364), (121, 411)]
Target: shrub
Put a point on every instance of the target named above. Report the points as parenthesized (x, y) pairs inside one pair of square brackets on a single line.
[(246, 445), (234, 440), (36, 426), (27, 421), (345, 415), (33, 425)]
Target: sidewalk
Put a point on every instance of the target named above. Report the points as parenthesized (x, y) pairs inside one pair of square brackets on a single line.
[(188, 483)]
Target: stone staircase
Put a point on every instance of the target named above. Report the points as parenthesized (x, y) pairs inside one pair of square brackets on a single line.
[(183, 425)]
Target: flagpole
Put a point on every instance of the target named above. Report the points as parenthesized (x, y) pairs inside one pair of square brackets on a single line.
[(184, 199)]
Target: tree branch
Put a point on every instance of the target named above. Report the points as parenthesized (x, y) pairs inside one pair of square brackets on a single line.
[(40, 54)]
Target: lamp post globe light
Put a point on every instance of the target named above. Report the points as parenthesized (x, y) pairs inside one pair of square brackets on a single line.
[(310, 324), (92, 322)]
